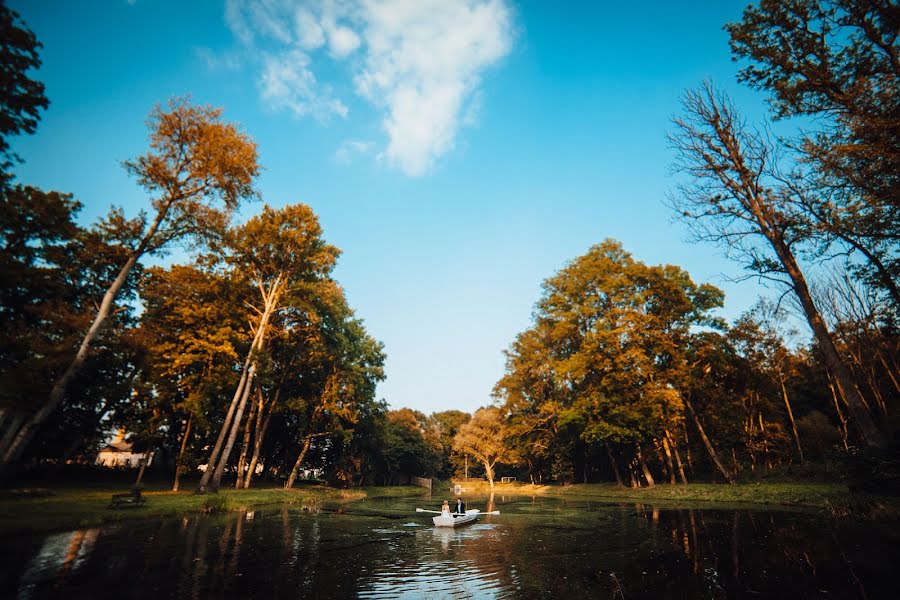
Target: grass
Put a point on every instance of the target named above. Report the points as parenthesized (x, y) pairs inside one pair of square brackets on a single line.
[(67, 507), (784, 494)]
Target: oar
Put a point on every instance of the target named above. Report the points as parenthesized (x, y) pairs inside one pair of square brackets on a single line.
[(437, 512)]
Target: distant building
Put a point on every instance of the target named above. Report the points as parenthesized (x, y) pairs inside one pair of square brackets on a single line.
[(118, 453)]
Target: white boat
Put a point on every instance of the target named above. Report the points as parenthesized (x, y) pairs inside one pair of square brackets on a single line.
[(448, 520)]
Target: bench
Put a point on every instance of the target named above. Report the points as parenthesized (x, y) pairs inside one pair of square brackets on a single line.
[(132, 498)]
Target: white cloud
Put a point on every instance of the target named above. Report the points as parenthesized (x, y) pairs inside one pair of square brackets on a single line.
[(310, 34), (419, 62), (350, 148), (288, 83), (342, 41)]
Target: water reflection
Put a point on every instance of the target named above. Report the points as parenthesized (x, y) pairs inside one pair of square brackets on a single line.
[(536, 548)]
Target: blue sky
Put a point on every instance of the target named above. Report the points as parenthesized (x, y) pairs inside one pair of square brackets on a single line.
[(457, 152)]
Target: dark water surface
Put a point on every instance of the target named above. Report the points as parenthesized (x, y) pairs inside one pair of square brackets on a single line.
[(537, 548)]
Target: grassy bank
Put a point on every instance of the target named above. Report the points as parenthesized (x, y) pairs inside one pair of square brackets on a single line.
[(46, 509), (784, 494)]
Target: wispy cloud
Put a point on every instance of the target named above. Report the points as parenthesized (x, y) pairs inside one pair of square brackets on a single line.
[(419, 62), (349, 149)]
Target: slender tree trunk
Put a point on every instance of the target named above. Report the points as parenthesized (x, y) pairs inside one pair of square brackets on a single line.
[(844, 433), (262, 425), (143, 468), (216, 480), (632, 472), (216, 464), (245, 445), (179, 463), (229, 416), (709, 447), (668, 451), (647, 476), (888, 370), (687, 447), (762, 429), (677, 457), (615, 467), (858, 410), (787, 405), (293, 476), (489, 472), (12, 428)]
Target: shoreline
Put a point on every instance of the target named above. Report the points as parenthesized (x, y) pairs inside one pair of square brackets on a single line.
[(44, 509), (785, 495), (41, 510)]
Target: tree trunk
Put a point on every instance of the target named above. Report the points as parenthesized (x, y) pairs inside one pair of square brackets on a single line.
[(12, 429), (489, 472), (615, 467), (245, 445), (762, 429), (674, 447), (787, 405), (709, 447), (229, 416), (687, 448), (216, 480), (216, 464), (635, 479), (179, 462), (293, 476), (262, 425), (668, 451), (858, 411), (647, 476), (844, 433)]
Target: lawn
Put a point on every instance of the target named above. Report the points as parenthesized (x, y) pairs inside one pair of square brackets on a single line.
[(33, 509)]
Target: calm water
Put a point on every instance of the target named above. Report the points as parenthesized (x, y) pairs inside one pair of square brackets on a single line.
[(537, 548)]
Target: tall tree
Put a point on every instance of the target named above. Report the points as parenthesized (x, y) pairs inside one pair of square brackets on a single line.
[(484, 438), (194, 160), (282, 255), (735, 197), (52, 273), (21, 98), (837, 61)]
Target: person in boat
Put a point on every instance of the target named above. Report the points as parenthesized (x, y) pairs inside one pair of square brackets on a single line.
[(445, 509), (460, 506)]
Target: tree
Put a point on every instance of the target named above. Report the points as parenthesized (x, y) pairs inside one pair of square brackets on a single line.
[(484, 438), (52, 272), (604, 364), (762, 345), (282, 255), (837, 61), (445, 424), (410, 448), (736, 197), (192, 327), (350, 366), (194, 160), (21, 98)]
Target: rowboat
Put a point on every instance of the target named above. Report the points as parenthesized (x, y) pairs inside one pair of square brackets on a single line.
[(458, 519), (445, 519)]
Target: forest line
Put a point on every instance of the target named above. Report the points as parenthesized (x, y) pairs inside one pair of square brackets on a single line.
[(248, 361)]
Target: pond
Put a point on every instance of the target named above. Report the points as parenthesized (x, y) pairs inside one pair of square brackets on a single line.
[(536, 548)]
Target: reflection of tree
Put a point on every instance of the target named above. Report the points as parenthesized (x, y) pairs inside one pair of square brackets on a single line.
[(537, 548)]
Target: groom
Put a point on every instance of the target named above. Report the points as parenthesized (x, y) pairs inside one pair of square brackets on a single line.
[(460, 506)]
